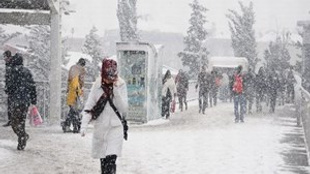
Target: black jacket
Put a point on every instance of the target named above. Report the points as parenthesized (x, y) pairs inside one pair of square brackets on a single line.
[(21, 88)]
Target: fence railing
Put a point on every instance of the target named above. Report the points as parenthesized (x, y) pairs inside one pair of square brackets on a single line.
[(304, 111)]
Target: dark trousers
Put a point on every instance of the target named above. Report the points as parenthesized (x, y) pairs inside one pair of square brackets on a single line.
[(273, 99), (73, 117), (165, 109), (203, 100), (18, 119), (239, 107), (259, 100), (108, 165), (182, 99)]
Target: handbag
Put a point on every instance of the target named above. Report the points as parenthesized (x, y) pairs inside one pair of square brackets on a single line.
[(34, 116)]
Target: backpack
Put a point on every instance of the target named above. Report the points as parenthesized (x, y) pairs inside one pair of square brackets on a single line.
[(238, 86)]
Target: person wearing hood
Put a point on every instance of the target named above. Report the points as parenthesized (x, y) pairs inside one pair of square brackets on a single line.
[(106, 116), (168, 94), (22, 93)]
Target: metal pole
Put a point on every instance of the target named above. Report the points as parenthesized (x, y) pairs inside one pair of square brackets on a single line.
[(55, 74)]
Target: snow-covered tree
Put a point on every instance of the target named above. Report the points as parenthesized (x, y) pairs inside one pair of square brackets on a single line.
[(92, 47), (194, 54), (243, 34), (127, 18), (39, 49), (277, 55)]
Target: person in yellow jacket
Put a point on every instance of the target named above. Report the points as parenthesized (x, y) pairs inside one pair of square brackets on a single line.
[(74, 93)]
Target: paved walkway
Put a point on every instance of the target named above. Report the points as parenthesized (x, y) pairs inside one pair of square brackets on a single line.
[(189, 143)]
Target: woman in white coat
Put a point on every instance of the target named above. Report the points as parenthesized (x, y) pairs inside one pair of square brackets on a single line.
[(108, 130), (168, 94)]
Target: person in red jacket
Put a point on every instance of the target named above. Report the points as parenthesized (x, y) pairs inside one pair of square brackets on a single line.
[(239, 100)]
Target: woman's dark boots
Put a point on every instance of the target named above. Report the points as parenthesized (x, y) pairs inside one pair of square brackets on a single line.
[(108, 165)]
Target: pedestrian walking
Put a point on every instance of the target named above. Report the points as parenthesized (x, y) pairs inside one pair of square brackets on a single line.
[(169, 93), (260, 88), (74, 96), (22, 92), (214, 87), (249, 88), (203, 82), (182, 88), (105, 107), (224, 87), (239, 99), (7, 55), (273, 86)]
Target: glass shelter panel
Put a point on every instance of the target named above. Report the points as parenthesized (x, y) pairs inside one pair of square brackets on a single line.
[(133, 70)]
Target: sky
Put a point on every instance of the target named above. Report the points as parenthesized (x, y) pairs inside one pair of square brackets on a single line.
[(173, 15)]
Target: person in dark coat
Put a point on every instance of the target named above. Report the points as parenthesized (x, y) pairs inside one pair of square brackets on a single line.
[(260, 88), (213, 89), (182, 88), (273, 85), (249, 86), (22, 93), (7, 55), (203, 83)]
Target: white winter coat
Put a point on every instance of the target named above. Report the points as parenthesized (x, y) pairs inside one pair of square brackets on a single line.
[(108, 129), (172, 87)]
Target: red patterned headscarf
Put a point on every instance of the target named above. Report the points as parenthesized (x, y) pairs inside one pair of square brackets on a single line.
[(109, 69)]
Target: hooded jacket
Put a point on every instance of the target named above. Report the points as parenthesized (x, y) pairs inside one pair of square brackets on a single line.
[(21, 89)]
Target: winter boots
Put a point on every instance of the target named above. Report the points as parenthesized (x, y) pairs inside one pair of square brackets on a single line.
[(76, 126), (108, 165), (22, 141)]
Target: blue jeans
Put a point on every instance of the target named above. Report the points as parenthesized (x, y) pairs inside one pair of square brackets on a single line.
[(239, 106)]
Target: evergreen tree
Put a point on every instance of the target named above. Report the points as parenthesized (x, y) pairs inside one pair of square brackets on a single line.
[(243, 34), (127, 18), (92, 47), (277, 54), (194, 54), (39, 49)]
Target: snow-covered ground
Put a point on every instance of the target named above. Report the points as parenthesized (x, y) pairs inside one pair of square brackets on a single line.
[(188, 143)]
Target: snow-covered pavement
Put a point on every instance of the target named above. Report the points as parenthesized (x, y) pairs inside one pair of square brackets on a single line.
[(188, 143)]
